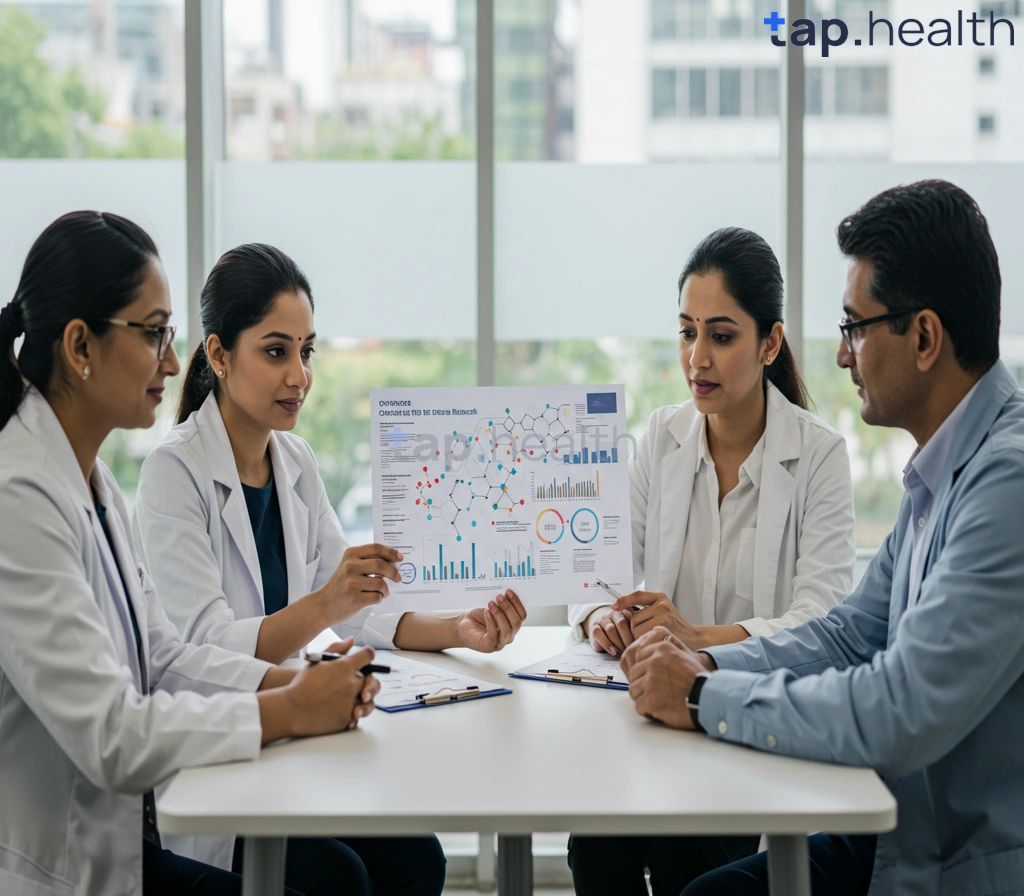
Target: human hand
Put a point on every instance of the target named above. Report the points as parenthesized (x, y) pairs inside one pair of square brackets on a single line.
[(364, 705), (610, 633), (661, 670), (657, 609), (332, 696), (359, 581), (489, 629)]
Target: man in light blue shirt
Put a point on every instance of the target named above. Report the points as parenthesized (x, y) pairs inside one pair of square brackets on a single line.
[(919, 674)]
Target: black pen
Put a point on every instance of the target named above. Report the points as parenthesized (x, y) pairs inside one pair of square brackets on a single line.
[(368, 669)]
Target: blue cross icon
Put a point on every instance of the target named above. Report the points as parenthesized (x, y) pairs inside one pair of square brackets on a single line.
[(396, 436), (775, 20)]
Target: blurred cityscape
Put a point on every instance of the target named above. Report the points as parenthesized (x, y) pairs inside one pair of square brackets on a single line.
[(592, 81), (587, 81)]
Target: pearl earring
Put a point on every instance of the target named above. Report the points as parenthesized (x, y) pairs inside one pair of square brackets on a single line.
[(85, 373), (220, 373)]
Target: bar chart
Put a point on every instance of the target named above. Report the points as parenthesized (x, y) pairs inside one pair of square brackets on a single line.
[(586, 456), (568, 488), (517, 563)]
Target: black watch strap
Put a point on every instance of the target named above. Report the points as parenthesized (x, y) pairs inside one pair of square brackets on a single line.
[(693, 699)]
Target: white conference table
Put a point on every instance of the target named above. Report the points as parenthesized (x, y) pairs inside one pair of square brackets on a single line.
[(549, 757)]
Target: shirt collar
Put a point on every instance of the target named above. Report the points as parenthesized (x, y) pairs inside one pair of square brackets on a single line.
[(751, 467), (929, 462)]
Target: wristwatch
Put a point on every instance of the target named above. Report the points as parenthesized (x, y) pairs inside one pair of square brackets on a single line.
[(693, 699)]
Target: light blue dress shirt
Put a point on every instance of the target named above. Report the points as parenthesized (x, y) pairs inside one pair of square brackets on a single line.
[(922, 680), (921, 478)]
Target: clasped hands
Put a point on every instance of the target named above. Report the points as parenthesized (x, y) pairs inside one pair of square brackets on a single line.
[(637, 614), (661, 670)]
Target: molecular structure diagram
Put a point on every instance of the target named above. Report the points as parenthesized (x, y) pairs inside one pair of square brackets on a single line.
[(477, 478)]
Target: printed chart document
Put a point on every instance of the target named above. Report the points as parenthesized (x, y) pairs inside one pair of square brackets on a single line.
[(414, 685), (489, 488), (579, 665)]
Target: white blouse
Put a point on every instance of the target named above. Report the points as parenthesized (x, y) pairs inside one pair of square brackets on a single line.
[(718, 551)]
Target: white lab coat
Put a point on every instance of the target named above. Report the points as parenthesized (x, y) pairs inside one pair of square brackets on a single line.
[(82, 736), (192, 528), (803, 549)]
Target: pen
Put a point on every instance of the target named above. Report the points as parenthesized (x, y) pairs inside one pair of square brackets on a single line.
[(368, 669), (613, 593)]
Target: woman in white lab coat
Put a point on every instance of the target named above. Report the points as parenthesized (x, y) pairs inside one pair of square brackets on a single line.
[(233, 520), (99, 698), (742, 516), (209, 490)]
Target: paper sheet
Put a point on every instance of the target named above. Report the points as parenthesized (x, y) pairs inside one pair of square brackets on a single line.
[(409, 678), (489, 488), (579, 660)]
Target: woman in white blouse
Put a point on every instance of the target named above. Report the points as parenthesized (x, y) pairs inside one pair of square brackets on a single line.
[(742, 516)]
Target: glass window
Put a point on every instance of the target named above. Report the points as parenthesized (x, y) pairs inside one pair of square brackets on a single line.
[(899, 118), (766, 91), (350, 143), (814, 91), (92, 80), (730, 92), (359, 80), (862, 90), (99, 87), (663, 92), (698, 95), (663, 20)]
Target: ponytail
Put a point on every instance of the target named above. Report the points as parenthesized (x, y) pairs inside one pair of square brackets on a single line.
[(239, 293), (198, 384), (85, 265), (784, 374), (12, 386)]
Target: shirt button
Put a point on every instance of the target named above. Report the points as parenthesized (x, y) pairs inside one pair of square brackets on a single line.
[(709, 583), (922, 522), (723, 727), (771, 741), (716, 536)]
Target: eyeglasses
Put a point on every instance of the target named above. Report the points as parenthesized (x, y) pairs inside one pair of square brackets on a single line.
[(164, 334), (847, 326)]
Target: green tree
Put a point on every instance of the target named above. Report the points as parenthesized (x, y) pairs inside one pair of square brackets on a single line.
[(43, 114), (412, 138), (52, 115)]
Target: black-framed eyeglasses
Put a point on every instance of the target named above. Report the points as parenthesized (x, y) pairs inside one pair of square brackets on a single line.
[(847, 326), (165, 334)]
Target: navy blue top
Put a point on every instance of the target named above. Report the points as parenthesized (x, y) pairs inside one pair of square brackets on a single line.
[(265, 517)]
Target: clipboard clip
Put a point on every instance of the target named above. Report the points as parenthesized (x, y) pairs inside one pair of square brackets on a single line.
[(591, 678), (440, 697)]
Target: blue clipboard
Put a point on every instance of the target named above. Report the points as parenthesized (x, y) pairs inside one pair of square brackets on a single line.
[(432, 700), (584, 681)]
